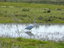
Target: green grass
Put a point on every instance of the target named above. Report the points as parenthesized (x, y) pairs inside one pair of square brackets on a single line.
[(28, 12), (28, 43)]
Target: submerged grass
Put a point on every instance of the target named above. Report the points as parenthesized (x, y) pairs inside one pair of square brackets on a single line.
[(11, 12), (28, 43)]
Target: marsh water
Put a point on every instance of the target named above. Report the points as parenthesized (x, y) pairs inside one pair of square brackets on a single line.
[(41, 32)]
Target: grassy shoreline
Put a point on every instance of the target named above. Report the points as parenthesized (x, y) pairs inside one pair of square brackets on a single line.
[(30, 13), (28, 43)]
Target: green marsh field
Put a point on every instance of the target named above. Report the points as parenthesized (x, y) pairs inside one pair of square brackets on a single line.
[(28, 43), (12, 12), (30, 12)]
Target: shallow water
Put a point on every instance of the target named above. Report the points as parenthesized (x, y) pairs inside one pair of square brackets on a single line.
[(42, 32)]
